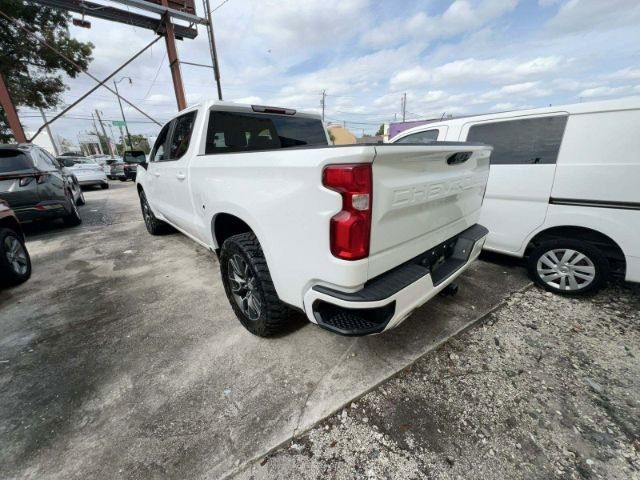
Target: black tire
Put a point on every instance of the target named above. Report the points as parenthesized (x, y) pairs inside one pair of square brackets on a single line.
[(104, 186), (15, 263), (273, 315), (154, 226), (592, 263), (73, 218), (80, 200), (123, 179)]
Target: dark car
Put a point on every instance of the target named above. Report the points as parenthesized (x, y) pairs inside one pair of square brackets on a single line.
[(15, 263), (132, 158), (34, 185)]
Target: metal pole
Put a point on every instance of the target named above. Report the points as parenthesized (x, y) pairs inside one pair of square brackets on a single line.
[(124, 145), (212, 48), (323, 102), (115, 84), (95, 127), (53, 141), (10, 112), (104, 132), (174, 63), (404, 106)]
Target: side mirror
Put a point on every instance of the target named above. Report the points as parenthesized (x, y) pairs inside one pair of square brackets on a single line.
[(144, 164)]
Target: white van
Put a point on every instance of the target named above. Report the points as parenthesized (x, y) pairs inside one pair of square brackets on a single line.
[(564, 188)]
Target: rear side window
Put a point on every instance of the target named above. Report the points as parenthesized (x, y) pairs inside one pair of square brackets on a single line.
[(420, 137), (181, 135), (246, 132), (14, 161), (158, 154), (522, 142)]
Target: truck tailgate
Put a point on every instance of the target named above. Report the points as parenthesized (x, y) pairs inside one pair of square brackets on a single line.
[(422, 196)]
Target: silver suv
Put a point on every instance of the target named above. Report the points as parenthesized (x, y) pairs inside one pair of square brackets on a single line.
[(34, 185)]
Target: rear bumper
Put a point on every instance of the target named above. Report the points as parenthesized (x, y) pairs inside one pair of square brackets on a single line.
[(390, 298), (92, 180)]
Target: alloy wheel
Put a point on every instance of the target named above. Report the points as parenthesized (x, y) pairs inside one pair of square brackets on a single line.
[(566, 269), (16, 255), (244, 287)]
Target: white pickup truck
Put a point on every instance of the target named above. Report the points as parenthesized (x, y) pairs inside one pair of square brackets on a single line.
[(356, 236)]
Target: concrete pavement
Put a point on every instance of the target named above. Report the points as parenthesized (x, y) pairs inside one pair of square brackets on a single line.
[(121, 357)]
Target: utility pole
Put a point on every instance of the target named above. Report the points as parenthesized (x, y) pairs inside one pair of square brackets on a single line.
[(124, 144), (323, 102), (172, 55), (404, 106), (115, 83), (10, 112), (95, 127), (212, 48), (53, 141), (104, 132)]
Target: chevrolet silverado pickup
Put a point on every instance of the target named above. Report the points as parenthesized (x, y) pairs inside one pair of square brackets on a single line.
[(356, 237)]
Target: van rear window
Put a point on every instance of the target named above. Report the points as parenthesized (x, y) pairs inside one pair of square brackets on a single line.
[(246, 132), (14, 161)]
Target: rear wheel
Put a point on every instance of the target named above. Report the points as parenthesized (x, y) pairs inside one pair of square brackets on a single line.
[(249, 288), (104, 186), (569, 267), (15, 263), (73, 217), (154, 226), (123, 179)]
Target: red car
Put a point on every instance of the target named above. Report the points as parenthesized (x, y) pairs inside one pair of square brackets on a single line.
[(15, 263)]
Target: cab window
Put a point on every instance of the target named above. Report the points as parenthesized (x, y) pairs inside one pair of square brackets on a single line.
[(421, 137)]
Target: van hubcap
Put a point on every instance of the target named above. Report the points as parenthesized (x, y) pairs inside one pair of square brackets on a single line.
[(244, 288), (566, 269), (16, 255)]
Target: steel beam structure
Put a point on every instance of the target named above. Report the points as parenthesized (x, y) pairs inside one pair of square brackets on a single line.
[(164, 9), (96, 10), (10, 112)]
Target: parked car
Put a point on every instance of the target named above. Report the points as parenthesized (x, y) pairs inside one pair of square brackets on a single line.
[(87, 171), (132, 158), (34, 185), (563, 191), (76, 190), (355, 236), (15, 263), (113, 168)]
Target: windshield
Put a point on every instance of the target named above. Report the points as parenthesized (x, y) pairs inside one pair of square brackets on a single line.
[(134, 157), (13, 161)]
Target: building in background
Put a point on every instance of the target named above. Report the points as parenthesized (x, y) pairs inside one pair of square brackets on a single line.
[(340, 135)]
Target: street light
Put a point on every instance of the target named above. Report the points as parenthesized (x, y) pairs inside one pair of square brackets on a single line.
[(115, 84)]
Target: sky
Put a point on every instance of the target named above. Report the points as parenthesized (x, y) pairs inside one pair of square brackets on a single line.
[(449, 57)]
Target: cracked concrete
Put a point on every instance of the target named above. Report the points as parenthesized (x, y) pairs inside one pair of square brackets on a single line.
[(121, 357)]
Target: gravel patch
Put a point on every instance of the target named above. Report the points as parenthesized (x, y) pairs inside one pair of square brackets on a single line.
[(546, 387)]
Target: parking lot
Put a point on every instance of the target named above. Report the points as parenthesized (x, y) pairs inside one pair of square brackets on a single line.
[(121, 357)]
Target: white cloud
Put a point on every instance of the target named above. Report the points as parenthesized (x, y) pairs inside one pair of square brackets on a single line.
[(472, 70), (461, 17), (584, 15), (608, 91)]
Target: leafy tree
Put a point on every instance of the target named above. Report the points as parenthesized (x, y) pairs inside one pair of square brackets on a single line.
[(380, 130), (140, 142), (33, 72)]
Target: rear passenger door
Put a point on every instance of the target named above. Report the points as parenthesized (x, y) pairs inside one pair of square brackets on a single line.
[(523, 164), (173, 178)]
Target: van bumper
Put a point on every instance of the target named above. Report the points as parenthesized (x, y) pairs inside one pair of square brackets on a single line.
[(387, 300)]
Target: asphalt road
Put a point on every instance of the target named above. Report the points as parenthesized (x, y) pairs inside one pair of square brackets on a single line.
[(121, 358)]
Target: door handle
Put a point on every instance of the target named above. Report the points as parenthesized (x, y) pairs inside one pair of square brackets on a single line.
[(157, 174), (180, 176)]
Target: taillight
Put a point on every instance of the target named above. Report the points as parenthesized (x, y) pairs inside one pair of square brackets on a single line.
[(351, 227)]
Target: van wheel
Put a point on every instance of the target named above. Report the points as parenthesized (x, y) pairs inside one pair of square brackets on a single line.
[(249, 288), (570, 267), (15, 263), (104, 186), (73, 217), (154, 226)]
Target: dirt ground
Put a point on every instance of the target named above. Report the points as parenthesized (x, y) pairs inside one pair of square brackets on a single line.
[(547, 387)]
